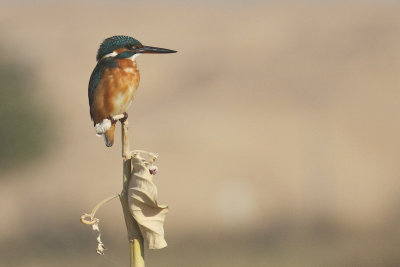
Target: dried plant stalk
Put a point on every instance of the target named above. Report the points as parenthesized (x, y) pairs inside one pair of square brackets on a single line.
[(136, 241), (136, 247)]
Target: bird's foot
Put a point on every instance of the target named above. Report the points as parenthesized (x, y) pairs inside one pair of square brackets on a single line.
[(124, 118), (112, 120)]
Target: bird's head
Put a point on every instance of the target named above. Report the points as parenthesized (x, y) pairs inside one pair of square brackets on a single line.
[(126, 47)]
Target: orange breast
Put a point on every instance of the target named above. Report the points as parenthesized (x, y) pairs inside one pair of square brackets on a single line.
[(116, 90)]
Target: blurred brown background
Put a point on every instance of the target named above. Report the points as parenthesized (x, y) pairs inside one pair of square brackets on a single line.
[(277, 127)]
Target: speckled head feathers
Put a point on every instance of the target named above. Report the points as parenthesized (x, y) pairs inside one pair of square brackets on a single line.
[(114, 42)]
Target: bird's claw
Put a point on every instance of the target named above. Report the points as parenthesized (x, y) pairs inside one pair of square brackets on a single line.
[(124, 118)]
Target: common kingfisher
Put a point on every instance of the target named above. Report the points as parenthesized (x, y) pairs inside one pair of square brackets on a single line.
[(115, 80)]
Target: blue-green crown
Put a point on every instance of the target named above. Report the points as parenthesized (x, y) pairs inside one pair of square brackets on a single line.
[(112, 43)]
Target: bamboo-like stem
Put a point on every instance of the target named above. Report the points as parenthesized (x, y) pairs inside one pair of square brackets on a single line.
[(137, 251), (135, 241)]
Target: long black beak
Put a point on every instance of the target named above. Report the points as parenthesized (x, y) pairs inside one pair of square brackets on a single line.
[(153, 50)]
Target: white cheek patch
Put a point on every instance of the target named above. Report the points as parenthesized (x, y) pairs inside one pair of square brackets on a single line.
[(113, 54), (102, 127)]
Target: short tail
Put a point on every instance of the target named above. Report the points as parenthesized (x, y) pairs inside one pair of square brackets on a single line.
[(109, 136)]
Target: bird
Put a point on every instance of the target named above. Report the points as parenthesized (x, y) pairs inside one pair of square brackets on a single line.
[(114, 81)]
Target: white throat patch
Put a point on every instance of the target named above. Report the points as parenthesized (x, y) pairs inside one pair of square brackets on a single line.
[(134, 56)]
